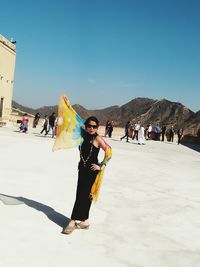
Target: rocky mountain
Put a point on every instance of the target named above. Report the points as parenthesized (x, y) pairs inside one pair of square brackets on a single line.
[(22, 109), (145, 110), (193, 123), (43, 110), (166, 112)]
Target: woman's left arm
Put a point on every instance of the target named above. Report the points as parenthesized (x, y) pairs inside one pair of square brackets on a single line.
[(108, 154)]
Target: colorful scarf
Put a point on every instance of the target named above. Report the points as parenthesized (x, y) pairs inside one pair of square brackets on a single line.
[(94, 194), (70, 129), (69, 126)]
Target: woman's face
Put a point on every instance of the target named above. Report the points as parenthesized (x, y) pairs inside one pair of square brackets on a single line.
[(91, 127)]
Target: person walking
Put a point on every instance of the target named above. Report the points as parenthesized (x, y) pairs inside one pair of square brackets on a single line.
[(180, 135), (36, 120), (45, 125), (52, 120), (136, 129), (126, 131), (89, 169), (171, 134)]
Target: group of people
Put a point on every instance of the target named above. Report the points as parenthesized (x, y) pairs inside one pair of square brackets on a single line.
[(138, 133), (48, 124), (141, 133)]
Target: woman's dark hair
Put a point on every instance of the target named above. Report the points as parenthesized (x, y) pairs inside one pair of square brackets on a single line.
[(92, 118)]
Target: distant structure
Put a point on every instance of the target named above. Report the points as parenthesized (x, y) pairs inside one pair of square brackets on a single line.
[(7, 67)]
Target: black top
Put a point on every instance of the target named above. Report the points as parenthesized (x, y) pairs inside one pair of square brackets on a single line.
[(87, 149), (52, 119)]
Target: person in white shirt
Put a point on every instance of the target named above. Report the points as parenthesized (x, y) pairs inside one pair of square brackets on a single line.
[(149, 130), (141, 138), (136, 129)]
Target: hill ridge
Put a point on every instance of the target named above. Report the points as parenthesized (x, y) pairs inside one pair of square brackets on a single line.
[(143, 109)]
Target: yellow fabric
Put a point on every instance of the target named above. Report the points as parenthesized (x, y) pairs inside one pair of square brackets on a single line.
[(69, 126), (94, 194)]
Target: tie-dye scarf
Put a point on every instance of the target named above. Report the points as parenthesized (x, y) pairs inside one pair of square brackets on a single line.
[(94, 194), (70, 128)]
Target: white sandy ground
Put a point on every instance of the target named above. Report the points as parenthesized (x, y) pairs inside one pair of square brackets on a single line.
[(148, 214)]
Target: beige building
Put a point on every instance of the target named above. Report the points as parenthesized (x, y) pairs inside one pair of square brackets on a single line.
[(7, 67)]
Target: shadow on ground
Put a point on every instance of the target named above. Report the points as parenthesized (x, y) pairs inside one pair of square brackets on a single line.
[(195, 147), (52, 215)]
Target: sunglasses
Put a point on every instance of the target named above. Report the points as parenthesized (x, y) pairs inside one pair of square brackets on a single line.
[(91, 126)]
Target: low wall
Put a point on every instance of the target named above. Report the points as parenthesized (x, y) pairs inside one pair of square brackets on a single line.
[(190, 139)]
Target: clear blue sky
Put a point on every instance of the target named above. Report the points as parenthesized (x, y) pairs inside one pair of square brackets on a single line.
[(102, 52)]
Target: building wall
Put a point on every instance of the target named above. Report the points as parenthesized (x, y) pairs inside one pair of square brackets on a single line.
[(7, 67)]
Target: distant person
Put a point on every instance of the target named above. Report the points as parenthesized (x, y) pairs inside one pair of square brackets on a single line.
[(107, 128), (52, 120), (141, 137), (36, 120), (171, 134), (131, 130), (24, 124), (45, 125), (163, 129), (145, 132), (180, 135), (149, 130), (126, 131), (110, 130), (157, 132), (56, 126), (136, 129)]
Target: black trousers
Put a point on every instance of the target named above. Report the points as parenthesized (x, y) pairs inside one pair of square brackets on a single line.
[(86, 178), (126, 135), (135, 135), (171, 138), (163, 136), (44, 129), (179, 139)]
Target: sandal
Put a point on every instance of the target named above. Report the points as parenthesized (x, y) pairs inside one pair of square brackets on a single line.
[(82, 226), (68, 230)]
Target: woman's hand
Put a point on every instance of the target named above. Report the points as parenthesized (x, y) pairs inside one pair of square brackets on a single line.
[(95, 167)]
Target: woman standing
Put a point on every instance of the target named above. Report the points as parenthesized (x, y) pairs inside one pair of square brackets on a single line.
[(89, 176)]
